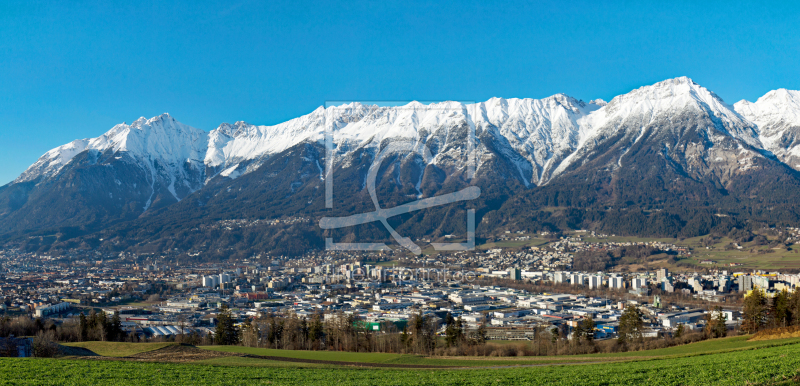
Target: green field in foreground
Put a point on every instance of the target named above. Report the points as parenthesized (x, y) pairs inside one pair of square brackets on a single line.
[(704, 347), (118, 349), (768, 365)]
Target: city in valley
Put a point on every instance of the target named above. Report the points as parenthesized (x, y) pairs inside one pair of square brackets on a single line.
[(516, 286)]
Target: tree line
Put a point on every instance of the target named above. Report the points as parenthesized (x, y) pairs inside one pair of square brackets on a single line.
[(429, 335), (763, 312)]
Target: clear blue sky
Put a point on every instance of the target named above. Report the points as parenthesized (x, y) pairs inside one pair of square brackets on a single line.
[(73, 71)]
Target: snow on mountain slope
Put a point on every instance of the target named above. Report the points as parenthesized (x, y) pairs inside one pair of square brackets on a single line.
[(655, 107), (52, 161), (166, 150), (543, 131), (672, 96), (541, 138), (537, 130), (777, 115), (352, 125)]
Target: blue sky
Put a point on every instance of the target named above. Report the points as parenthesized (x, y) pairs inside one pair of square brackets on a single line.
[(74, 70)]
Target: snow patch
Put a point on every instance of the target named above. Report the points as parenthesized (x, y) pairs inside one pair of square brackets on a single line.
[(231, 172)]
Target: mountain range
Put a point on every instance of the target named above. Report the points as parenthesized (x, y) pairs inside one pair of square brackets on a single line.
[(668, 159)]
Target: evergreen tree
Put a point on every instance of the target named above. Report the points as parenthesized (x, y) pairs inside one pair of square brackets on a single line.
[(479, 336), (586, 329), (453, 331), (101, 325), (679, 331), (721, 328), (794, 308), (631, 325), (316, 332), (755, 311), (578, 333), (115, 332), (780, 309), (422, 338), (84, 327), (226, 331)]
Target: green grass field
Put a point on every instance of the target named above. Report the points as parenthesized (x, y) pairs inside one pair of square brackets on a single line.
[(745, 366), (699, 348)]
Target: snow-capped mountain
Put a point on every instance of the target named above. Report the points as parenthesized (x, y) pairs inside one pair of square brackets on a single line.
[(168, 152), (664, 100), (537, 131), (119, 175), (680, 120), (542, 136), (777, 115), (676, 136)]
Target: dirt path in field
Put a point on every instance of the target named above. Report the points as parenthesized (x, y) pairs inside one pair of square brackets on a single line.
[(342, 363), (169, 354), (405, 366), (188, 354), (535, 365), (179, 354)]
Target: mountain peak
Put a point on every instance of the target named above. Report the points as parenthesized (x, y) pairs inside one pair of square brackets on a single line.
[(139, 122), (671, 94), (781, 95), (662, 100), (773, 112), (680, 80), (160, 137), (143, 122)]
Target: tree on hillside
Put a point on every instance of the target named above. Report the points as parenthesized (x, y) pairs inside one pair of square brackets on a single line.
[(678, 331), (478, 337), (98, 326), (114, 330), (226, 332), (631, 325), (250, 333), (715, 324), (794, 308), (84, 328), (316, 332), (421, 334), (780, 312), (585, 330), (44, 345), (755, 311), (454, 331)]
